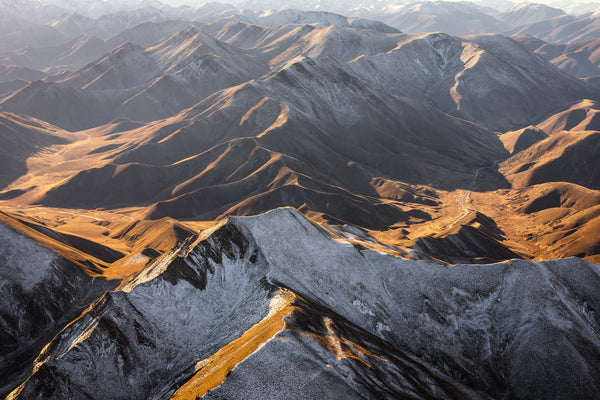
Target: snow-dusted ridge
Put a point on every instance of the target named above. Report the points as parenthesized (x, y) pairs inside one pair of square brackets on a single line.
[(511, 329), (40, 293)]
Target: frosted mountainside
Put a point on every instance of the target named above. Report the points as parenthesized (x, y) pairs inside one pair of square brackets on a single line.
[(40, 293), (514, 329)]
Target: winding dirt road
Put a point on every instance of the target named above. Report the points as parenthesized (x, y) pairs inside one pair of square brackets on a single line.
[(468, 192)]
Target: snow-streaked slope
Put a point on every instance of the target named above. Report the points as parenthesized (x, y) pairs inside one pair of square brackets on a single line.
[(490, 79), (192, 66), (321, 19), (362, 322), (283, 44), (156, 330), (40, 293), (187, 52), (124, 67)]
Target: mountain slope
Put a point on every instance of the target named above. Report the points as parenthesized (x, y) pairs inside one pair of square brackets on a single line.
[(31, 36), (78, 109), (562, 29), (130, 81), (489, 79), (579, 59), (12, 72), (271, 139), (522, 139), (72, 54), (150, 33), (528, 13), (228, 282), (40, 294), (22, 136), (433, 68), (567, 155), (73, 24), (454, 18)]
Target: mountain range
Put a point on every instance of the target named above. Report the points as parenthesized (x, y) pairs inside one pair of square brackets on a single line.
[(210, 201), (239, 280), (578, 59)]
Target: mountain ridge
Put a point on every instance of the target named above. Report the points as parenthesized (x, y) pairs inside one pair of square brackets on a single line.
[(253, 246)]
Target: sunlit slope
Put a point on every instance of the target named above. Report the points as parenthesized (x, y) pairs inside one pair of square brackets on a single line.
[(344, 325)]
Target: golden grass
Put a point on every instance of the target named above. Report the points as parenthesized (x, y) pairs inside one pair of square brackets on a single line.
[(212, 371)]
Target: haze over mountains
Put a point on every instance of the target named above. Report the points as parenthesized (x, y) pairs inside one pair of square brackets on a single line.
[(354, 200)]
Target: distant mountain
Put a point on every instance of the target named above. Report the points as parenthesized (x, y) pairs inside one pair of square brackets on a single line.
[(177, 73), (150, 33), (562, 29), (73, 24), (90, 8), (567, 155), (285, 139), (385, 59), (219, 15), (579, 59), (11, 72), (12, 22), (485, 78), (72, 54), (454, 18), (528, 13), (322, 19), (37, 12), (31, 35), (280, 45), (337, 6), (21, 137), (583, 7), (85, 49)]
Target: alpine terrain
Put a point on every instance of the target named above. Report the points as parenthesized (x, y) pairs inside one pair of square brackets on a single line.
[(286, 200)]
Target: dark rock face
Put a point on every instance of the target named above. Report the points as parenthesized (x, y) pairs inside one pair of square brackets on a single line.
[(362, 324)]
